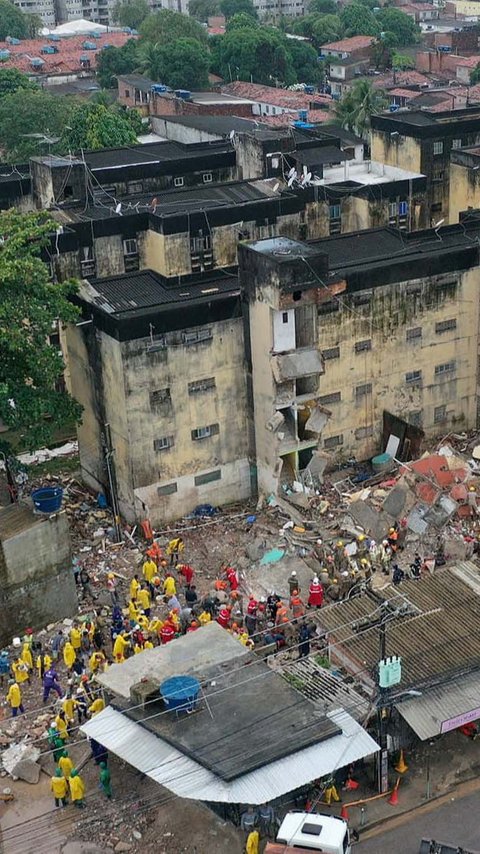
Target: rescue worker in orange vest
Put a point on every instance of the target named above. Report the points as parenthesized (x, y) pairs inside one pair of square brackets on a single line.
[(297, 606)]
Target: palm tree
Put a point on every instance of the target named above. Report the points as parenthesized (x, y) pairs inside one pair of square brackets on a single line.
[(150, 61), (357, 107)]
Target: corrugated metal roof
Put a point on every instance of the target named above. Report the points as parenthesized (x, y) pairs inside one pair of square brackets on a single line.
[(327, 691), (187, 779), (426, 714)]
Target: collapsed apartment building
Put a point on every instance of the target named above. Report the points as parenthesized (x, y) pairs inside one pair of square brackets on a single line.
[(253, 305)]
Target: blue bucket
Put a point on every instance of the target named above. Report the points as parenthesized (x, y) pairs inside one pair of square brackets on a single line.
[(48, 499)]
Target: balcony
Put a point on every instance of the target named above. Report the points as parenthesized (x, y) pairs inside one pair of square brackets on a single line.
[(304, 362)]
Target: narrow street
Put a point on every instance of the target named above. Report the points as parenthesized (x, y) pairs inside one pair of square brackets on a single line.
[(454, 821)]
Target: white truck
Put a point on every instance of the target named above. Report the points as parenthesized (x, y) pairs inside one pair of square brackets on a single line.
[(304, 832)]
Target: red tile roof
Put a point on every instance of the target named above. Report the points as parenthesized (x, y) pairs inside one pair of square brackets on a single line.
[(70, 49), (402, 78), (276, 97), (288, 118), (353, 43)]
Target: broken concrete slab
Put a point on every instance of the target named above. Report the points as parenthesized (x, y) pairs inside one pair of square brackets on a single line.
[(27, 770), (375, 524), (399, 501), (16, 753), (416, 519)]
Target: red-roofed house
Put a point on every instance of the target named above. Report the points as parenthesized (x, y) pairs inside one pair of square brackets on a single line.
[(269, 101), (71, 56), (358, 46)]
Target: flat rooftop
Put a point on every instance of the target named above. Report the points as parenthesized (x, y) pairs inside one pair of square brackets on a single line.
[(247, 715), (145, 290), (365, 172), (155, 152)]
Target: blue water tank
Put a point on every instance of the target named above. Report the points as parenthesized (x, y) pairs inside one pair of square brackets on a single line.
[(12, 40), (158, 87), (303, 115), (180, 693), (309, 90), (4, 54), (48, 499), (89, 46), (184, 94)]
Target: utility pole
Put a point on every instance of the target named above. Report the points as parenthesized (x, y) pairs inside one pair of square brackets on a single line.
[(382, 700), (112, 481)]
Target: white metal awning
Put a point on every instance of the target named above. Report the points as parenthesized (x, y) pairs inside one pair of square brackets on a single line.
[(444, 708), (186, 778)]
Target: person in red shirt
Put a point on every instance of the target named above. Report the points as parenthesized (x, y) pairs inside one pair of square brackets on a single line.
[(252, 605), (232, 577), (187, 572), (193, 626), (315, 594), (167, 632), (224, 617)]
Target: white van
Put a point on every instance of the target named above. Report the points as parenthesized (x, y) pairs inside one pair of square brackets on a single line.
[(306, 832)]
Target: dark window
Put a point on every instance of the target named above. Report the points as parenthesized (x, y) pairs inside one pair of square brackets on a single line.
[(127, 93), (446, 325), (440, 414), (436, 207), (413, 377), (416, 418), (164, 443), (205, 432), (209, 477), (335, 397), (364, 432), (362, 390), (285, 317), (197, 336), (160, 397), (199, 386), (168, 489), (445, 368), (363, 346), (333, 441), (329, 307), (331, 353), (414, 333)]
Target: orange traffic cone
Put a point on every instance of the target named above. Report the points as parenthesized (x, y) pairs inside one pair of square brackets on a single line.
[(344, 812), (401, 765), (393, 799)]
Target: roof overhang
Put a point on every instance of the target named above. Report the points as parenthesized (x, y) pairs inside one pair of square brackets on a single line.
[(444, 708), (188, 779)]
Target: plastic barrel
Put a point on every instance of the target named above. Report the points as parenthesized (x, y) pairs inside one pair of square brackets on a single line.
[(381, 462), (180, 693), (48, 499)]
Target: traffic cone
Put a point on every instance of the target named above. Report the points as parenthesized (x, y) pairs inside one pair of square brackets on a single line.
[(393, 799), (401, 765), (344, 812)]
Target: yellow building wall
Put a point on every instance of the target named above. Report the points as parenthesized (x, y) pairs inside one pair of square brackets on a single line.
[(401, 151), (393, 310), (464, 190)]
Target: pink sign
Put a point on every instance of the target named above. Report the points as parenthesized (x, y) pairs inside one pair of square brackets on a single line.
[(460, 720)]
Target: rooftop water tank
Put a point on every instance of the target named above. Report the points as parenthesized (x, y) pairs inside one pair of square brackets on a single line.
[(180, 693), (309, 90), (184, 94), (4, 54), (381, 462), (48, 499), (12, 40), (89, 46)]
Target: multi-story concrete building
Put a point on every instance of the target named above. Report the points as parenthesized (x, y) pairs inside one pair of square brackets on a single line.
[(423, 142), (323, 348)]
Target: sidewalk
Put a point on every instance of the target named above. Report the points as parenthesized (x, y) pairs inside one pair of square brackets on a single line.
[(434, 769)]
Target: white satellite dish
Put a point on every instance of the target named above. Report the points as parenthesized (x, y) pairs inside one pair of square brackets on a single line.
[(291, 172), (118, 209), (290, 181)]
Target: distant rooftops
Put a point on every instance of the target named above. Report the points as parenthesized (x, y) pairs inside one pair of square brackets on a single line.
[(353, 43), (67, 56)]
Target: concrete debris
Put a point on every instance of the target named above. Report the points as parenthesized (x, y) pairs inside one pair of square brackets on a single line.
[(27, 770), (20, 753), (123, 846)]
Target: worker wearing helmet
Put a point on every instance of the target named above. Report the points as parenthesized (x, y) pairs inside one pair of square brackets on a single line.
[(59, 787), (77, 789), (293, 583), (14, 698)]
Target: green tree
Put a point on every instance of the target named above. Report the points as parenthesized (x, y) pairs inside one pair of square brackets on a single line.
[(27, 112), (322, 7), (229, 8), (184, 64), (34, 26), (131, 13), (260, 54), (12, 21), (305, 62), (358, 105), (201, 10), (165, 27), (150, 60), (29, 305), (241, 21), (97, 126), (11, 80), (399, 25), (326, 28), (402, 62), (475, 75), (357, 20), (114, 61)]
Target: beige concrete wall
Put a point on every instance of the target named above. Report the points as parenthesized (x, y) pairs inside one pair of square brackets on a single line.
[(225, 405), (393, 310), (261, 333), (464, 190), (401, 151), (168, 255)]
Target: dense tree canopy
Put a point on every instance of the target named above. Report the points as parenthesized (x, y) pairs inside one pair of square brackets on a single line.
[(98, 126), (130, 13), (229, 8), (475, 75), (31, 111), (322, 7), (358, 20), (201, 10), (261, 54), (164, 27), (29, 305), (396, 24), (12, 21), (112, 61), (11, 80), (305, 62)]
